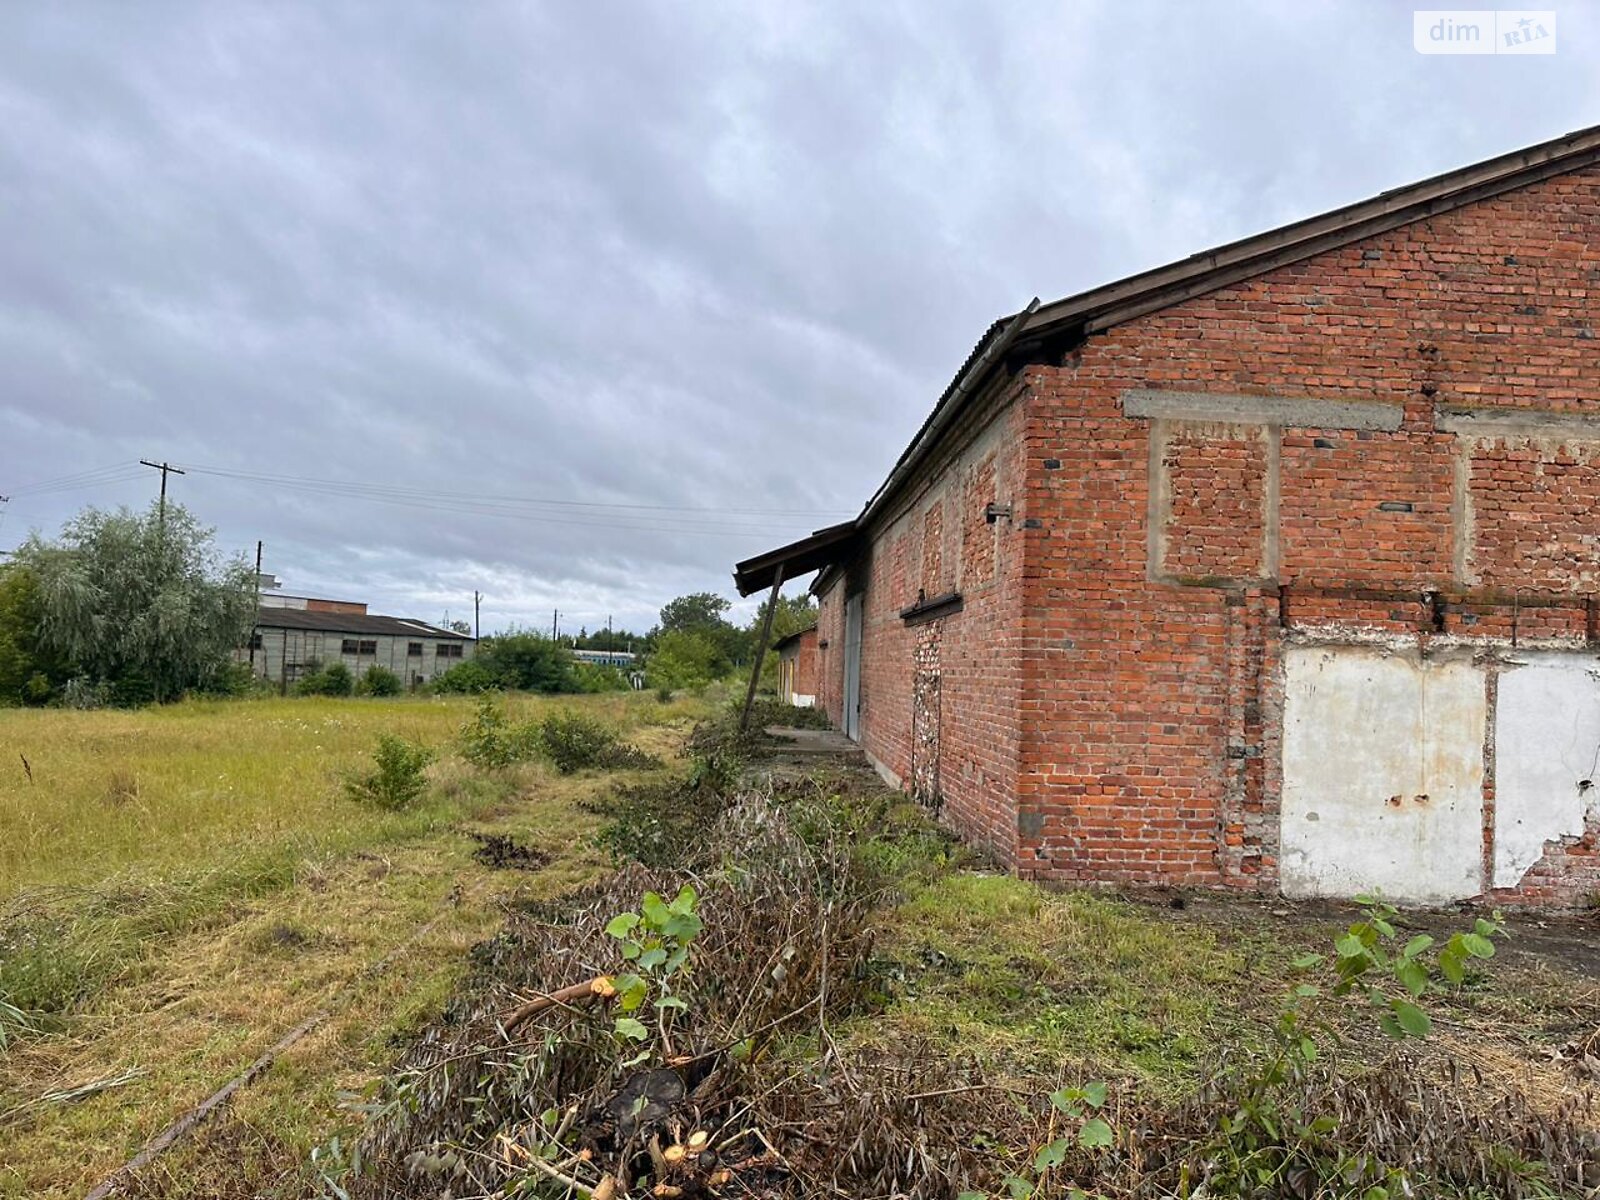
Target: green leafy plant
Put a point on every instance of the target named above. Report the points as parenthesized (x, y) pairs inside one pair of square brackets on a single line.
[(1073, 1124), (397, 781), (1274, 1132), (655, 942), (469, 676), (573, 741), (490, 740), (379, 681), (332, 680), (1365, 959)]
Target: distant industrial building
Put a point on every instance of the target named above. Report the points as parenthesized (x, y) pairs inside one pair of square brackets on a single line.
[(294, 635)]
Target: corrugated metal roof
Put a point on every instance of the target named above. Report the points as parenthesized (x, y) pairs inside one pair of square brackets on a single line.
[(337, 622)]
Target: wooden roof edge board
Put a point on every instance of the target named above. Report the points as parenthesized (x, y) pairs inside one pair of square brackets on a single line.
[(820, 549)]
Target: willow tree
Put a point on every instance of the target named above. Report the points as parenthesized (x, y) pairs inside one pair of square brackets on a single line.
[(143, 604)]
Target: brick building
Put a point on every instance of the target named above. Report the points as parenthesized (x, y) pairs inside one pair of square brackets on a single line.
[(797, 667), (1274, 569)]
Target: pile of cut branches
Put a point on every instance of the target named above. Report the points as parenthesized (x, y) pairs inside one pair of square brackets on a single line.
[(683, 1033), (623, 1040)]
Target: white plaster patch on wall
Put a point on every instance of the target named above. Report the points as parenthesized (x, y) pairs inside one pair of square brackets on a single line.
[(1546, 744), (1382, 774)]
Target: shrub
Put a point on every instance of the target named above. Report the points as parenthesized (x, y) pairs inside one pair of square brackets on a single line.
[(529, 662), (397, 781), (771, 711), (572, 741), (331, 680), (470, 677), (38, 689), (379, 681), (591, 678), (490, 741), (661, 822), (682, 659), (233, 679), (85, 694)]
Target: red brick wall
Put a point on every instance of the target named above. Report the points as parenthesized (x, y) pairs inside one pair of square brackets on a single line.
[(1109, 704), (937, 540), (803, 653), (1148, 743)]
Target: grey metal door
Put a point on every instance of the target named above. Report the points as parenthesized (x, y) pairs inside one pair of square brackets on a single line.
[(852, 667)]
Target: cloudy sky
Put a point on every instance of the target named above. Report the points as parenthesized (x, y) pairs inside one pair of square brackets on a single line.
[(578, 303)]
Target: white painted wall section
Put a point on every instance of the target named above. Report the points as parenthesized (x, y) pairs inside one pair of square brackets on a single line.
[(1382, 774), (1547, 744)]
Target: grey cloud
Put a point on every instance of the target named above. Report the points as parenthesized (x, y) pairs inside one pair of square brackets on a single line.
[(700, 255)]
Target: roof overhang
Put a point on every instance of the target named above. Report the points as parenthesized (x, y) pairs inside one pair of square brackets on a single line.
[(1045, 332), (822, 549), (785, 642)]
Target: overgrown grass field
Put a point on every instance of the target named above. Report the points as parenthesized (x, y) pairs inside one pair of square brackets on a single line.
[(181, 885), (196, 786)]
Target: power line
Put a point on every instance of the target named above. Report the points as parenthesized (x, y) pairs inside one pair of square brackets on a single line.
[(623, 516), (117, 473), (668, 521), (477, 497)]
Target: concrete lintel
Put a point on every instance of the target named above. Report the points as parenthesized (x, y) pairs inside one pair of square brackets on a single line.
[(1303, 412), (1518, 423)]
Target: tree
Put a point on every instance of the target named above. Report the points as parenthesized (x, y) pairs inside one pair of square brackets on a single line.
[(28, 674), (682, 658), (607, 639), (142, 604), (701, 610), (702, 613), (529, 662), (792, 614)]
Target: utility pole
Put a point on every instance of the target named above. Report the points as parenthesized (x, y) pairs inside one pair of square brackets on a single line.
[(255, 630), (555, 624), (477, 599), (164, 468)]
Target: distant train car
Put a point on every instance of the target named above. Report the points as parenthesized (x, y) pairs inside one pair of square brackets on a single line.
[(623, 660)]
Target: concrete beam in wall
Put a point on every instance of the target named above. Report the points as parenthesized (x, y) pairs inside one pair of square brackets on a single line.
[(1487, 423), (1302, 412)]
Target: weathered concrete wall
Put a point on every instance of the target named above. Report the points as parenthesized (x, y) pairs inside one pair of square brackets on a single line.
[(286, 655), (1382, 774), (1546, 757)]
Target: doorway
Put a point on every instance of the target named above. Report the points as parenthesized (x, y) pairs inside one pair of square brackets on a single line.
[(852, 667)]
